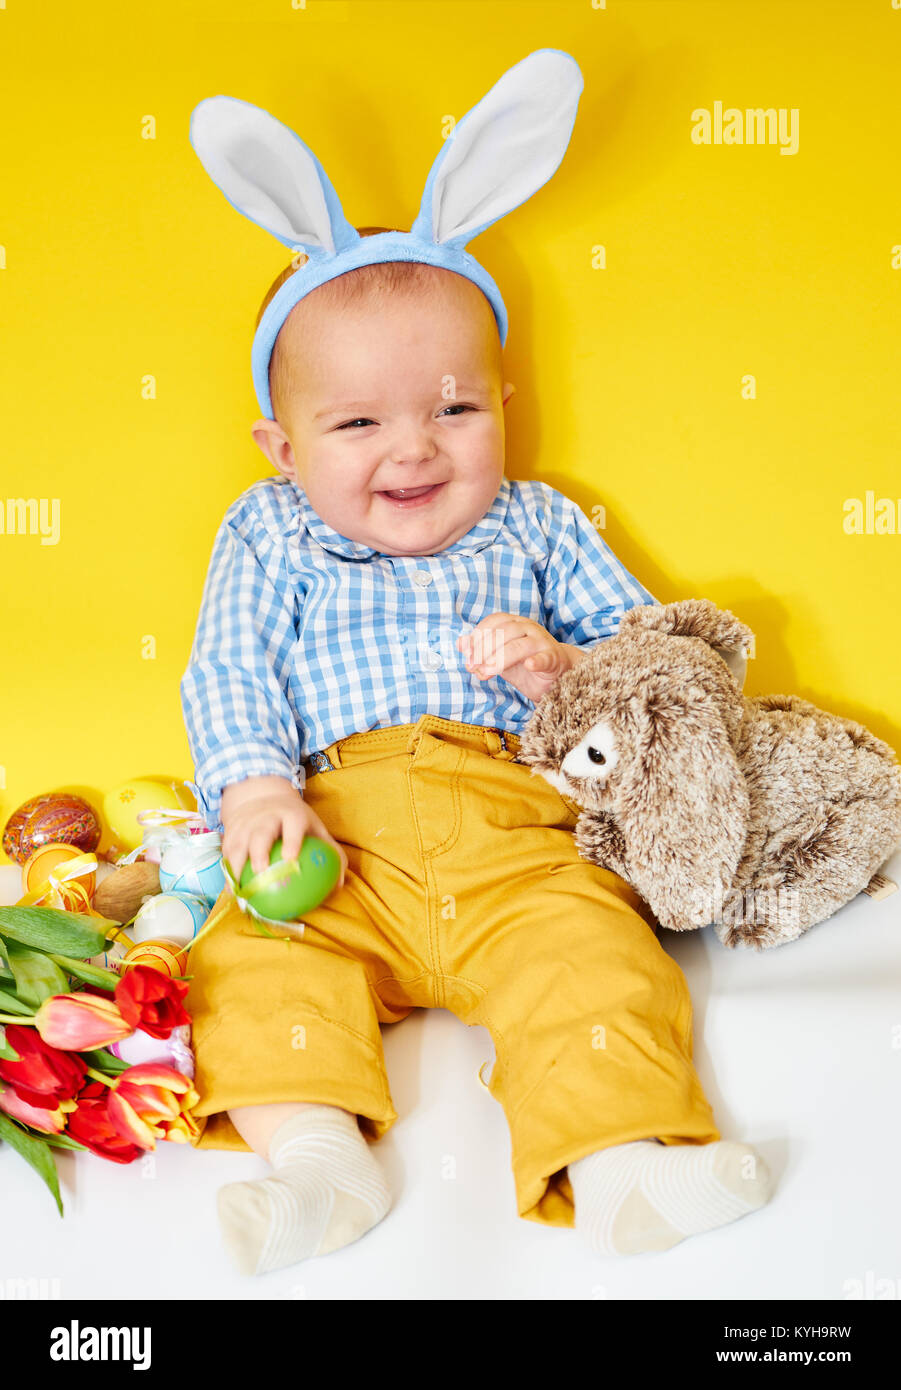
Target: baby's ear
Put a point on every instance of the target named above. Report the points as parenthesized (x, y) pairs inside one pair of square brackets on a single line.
[(269, 436), (699, 617)]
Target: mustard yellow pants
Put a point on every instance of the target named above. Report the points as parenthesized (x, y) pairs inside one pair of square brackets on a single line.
[(464, 891)]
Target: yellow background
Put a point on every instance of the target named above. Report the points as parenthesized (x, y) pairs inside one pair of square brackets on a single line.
[(123, 260)]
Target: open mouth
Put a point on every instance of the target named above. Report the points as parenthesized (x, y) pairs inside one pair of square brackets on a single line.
[(411, 496)]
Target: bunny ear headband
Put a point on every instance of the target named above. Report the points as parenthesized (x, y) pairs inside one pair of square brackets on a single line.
[(498, 155)]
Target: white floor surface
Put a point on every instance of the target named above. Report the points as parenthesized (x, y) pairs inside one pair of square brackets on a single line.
[(798, 1049)]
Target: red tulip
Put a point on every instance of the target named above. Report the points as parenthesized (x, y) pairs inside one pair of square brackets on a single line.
[(149, 1000), (90, 1125), (151, 1102), (47, 1121), (43, 1076), (80, 1022)]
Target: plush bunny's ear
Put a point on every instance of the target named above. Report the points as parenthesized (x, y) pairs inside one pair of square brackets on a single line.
[(698, 617), (269, 175), (682, 804), (503, 150)]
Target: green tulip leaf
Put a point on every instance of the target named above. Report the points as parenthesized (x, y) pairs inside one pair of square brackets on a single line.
[(9, 1004), (49, 929), (101, 1060), (89, 974), (37, 976), (62, 1141), (35, 1151)]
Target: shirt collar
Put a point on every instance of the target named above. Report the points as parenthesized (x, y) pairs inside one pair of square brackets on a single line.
[(477, 537)]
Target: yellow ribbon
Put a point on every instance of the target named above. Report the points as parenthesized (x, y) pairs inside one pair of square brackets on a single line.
[(160, 816), (52, 886)]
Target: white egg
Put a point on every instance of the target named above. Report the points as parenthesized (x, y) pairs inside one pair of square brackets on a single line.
[(173, 917)]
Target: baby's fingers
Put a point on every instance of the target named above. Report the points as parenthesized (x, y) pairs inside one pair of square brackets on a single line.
[(295, 825), (235, 847), (259, 844)]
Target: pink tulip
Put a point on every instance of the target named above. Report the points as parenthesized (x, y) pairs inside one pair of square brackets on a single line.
[(47, 1121), (80, 1022)]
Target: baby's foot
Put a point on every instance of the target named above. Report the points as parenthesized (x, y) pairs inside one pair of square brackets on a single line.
[(327, 1191), (648, 1196)]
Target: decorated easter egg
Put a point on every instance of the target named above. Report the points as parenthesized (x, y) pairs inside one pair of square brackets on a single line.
[(290, 887), (193, 864), (159, 955), (124, 804), (110, 958), (10, 884), (57, 817), (51, 859), (172, 917)]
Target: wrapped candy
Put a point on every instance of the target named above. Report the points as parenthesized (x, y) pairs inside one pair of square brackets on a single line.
[(174, 1051)]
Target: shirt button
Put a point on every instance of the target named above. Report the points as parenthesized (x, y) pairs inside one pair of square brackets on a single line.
[(422, 577), (432, 661)]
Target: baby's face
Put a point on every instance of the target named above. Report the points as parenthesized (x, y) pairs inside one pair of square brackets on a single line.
[(401, 391)]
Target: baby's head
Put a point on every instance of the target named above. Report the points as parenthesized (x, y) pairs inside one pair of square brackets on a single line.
[(390, 376)]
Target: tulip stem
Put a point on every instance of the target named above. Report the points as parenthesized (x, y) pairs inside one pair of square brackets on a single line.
[(98, 1076), (17, 1018)]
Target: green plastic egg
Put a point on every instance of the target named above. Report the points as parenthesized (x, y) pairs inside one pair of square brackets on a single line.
[(291, 887)]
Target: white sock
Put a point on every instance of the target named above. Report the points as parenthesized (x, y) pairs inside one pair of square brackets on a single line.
[(327, 1191), (648, 1196)]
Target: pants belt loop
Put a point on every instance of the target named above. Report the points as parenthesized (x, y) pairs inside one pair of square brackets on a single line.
[(416, 733), (498, 746)]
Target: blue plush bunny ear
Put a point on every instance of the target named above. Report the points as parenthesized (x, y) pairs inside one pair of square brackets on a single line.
[(269, 175), (503, 150)]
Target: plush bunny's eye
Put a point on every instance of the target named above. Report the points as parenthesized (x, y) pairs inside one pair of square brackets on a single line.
[(593, 756)]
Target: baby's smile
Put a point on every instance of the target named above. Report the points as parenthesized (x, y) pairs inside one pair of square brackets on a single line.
[(405, 498)]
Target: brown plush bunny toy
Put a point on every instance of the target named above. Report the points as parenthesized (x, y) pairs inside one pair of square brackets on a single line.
[(758, 815)]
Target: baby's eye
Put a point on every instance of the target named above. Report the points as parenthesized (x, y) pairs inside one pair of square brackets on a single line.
[(349, 424), (459, 405)]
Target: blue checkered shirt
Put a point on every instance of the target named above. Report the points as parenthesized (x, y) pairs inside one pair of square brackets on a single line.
[(305, 636)]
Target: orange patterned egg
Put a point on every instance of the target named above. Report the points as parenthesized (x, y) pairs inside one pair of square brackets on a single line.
[(159, 955), (57, 816)]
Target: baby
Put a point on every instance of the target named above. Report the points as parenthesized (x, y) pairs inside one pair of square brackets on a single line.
[(378, 622)]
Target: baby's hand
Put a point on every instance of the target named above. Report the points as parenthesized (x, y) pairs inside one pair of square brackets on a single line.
[(520, 650), (260, 810)]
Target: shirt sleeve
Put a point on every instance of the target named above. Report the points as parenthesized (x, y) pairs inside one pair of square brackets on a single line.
[(585, 588), (238, 719)]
